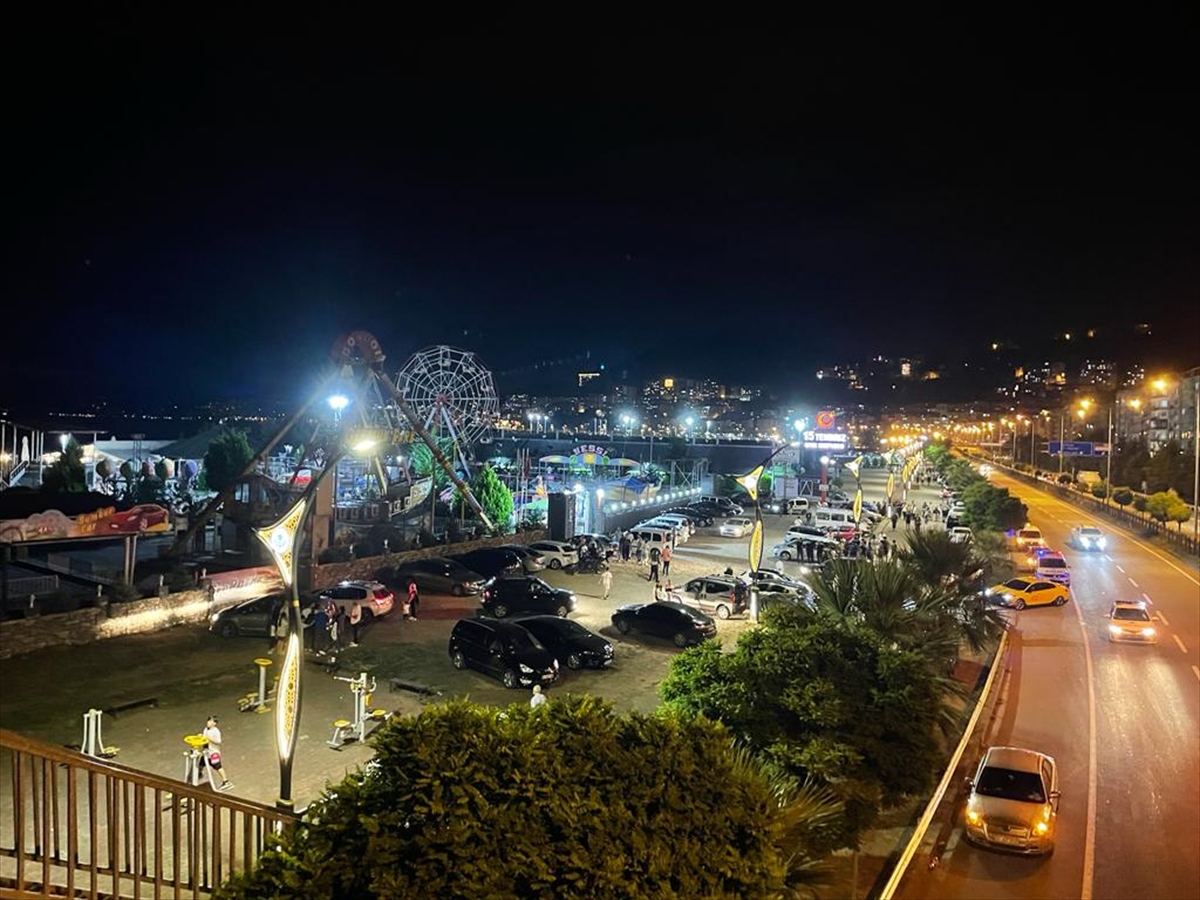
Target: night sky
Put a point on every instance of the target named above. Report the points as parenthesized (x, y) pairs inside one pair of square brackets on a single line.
[(199, 206)]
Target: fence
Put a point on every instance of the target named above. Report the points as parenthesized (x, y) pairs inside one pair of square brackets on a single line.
[(71, 825)]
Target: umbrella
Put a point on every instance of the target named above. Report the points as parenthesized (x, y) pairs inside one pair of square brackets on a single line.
[(554, 459), (624, 462)]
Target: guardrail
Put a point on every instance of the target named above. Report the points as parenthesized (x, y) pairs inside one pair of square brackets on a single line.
[(889, 889), (72, 825)]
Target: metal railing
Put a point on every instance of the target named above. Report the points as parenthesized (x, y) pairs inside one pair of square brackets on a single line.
[(72, 825)]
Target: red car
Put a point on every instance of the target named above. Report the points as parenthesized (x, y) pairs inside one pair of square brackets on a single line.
[(143, 517)]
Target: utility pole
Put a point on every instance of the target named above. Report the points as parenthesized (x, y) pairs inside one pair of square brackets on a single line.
[(1032, 443), (1196, 473), (1108, 471), (1062, 427)]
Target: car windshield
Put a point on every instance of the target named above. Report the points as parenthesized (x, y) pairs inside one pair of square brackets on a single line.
[(1008, 784), (1031, 535), (526, 640), (1131, 614), (1090, 532), (1051, 563), (1017, 584)]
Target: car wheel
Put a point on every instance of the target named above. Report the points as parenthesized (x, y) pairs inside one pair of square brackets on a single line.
[(680, 639), (556, 563), (722, 611), (458, 590), (1018, 604), (509, 678), (459, 661), (561, 612), (785, 556), (1059, 601), (574, 661), (500, 610), (623, 626), (229, 629)]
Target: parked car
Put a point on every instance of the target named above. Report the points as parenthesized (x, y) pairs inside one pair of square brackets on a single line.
[(724, 504), (437, 574), (681, 624), (1013, 801), (736, 527), (375, 599), (557, 554), (1129, 620), (250, 618), (794, 545), (603, 541), (699, 519), (1052, 566), (716, 594), (679, 533), (771, 576), (961, 534), (569, 641), (774, 505), (491, 561), (684, 522), (1019, 593), (531, 560), (502, 650), (503, 596), (1088, 537)]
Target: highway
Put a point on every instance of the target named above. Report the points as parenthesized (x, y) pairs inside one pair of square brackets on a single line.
[(1122, 720)]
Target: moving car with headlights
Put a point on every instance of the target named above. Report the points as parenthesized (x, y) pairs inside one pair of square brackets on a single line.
[(736, 527), (1088, 537), (667, 619), (1022, 592), (1052, 566), (436, 574), (1028, 537), (375, 599), (557, 554), (1013, 801), (502, 650), (569, 641), (503, 596), (961, 534), (1129, 620)]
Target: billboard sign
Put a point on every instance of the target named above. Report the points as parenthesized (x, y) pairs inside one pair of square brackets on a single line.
[(826, 440), (1078, 448), (52, 525)]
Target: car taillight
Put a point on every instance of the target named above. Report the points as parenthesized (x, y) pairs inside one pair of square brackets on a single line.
[(487, 595)]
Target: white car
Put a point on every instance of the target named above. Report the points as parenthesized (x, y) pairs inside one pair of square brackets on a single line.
[(736, 527), (961, 534), (1013, 801), (557, 554), (681, 533), (1087, 537)]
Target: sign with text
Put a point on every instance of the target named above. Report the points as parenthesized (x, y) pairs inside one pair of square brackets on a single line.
[(826, 440), (52, 525), (1078, 448)]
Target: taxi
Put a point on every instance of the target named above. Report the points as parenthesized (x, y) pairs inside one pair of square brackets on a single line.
[(1019, 593)]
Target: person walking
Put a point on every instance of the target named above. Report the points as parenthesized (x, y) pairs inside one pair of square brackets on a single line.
[(884, 548), (655, 556), (667, 553), (895, 519), (639, 551), (343, 629), (414, 599), (606, 582), (538, 698), (212, 751), (320, 629), (356, 622)]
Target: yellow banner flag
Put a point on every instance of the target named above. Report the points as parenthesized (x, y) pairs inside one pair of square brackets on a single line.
[(750, 482), (756, 546), (854, 466), (858, 506), (891, 485)]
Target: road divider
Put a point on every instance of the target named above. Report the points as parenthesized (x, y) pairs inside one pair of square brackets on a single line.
[(910, 849)]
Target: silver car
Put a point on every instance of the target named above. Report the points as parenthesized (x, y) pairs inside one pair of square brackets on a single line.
[(1013, 801)]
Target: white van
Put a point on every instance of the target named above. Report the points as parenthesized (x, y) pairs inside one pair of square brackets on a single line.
[(833, 518), (654, 537), (667, 525), (688, 526), (800, 505)]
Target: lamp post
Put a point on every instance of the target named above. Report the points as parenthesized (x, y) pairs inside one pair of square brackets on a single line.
[(1062, 425), (824, 479)]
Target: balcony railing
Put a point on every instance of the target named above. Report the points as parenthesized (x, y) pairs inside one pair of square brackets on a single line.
[(71, 826)]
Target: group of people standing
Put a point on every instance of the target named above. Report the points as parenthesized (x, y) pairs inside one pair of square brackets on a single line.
[(630, 546)]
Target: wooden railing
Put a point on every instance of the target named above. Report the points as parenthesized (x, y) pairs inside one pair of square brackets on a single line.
[(73, 826)]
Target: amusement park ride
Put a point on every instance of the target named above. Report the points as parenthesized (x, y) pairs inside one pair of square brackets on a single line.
[(443, 398)]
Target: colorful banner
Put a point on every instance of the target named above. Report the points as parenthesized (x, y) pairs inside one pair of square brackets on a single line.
[(891, 485), (858, 506), (52, 525), (854, 465), (756, 546)]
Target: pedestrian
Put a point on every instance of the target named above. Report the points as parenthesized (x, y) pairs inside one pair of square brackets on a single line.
[(356, 623), (639, 550), (414, 599), (538, 698), (343, 629), (653, 576), (739, 596), (884, 548), (666, 561), (895, 519), (212, 751), (335, 632), (917, 525), (320, 629), (606, 582)]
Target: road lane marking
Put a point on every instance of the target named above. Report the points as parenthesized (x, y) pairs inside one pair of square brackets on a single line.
[(1196, 672), (1134, 583), (1163, 619), (1089, 845), (1109, 558), (1179, 641), (1119, 569)]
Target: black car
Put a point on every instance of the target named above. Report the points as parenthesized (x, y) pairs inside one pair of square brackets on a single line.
[(668, 619), (491, 562), (250, 618), (602, 541), (437, 574), (569, 641), (504, 651), (701, 520), (502, 596)]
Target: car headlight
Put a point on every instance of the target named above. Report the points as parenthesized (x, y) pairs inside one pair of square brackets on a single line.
[(988, 593), (213, 618), (526, 669), (1147, 632), (1114, 629), (1042, 826), (1102, 543), (974, 817)]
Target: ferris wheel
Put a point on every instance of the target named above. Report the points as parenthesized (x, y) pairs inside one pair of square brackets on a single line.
[(452, 393)]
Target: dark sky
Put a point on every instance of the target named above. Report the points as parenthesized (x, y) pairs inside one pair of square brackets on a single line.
[(199, 206)]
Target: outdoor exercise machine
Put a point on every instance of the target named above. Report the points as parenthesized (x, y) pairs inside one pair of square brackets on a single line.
[(195, 761), (93, 741), (346, 730), (258, 700)]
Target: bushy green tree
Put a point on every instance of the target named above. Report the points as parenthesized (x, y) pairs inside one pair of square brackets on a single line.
[(1100, 490), (66, 475), (1122, 496), (567, 801), (993, 508), (494, 496), (826, 700), (227, 456), (1169, 469), (1168, 506)]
